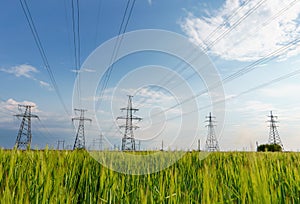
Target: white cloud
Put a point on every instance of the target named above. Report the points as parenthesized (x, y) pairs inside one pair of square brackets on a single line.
[(83, 70), (45, 84), (268, 28), (10, 108), (12, 104), (23, 70)]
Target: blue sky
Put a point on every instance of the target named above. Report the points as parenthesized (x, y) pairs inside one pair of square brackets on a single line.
[(233, 33)]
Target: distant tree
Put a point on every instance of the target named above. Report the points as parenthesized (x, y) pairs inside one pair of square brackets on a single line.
[(269, 148)]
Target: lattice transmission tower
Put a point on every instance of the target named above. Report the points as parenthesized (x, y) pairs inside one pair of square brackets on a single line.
[(128, 140), (80, 137), (24, 137), (60, 142), (211, 144), (98, 141), (273, 134)]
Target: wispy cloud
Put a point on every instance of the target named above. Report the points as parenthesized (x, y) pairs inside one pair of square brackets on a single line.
[(27, 71), (268, 28), (10, 107), (23, 70), (45, 85), (83, 70), (12, 104)]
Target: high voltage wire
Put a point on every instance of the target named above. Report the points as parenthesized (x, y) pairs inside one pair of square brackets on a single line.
[(45, 128), (264, 24), (234, 13), (6, 113), (74, 36), (239, 73), (283, 10), (42, 51), (122, 30), (78, 35), (244, 70), (268, 21), (222, 35), (76, 43), (39, 131), (116, 48), (286, 76), (257, 29), (108, 72), (248, 13)]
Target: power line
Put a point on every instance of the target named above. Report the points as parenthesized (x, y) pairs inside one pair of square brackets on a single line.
[(222, 35), (282, 11), (49, 134), (234, 13), (76, 43), (250, 11), (239, 73), (76, 33), (268, 21), (117, 45), (42, 51), (6, 113), (283, 77)]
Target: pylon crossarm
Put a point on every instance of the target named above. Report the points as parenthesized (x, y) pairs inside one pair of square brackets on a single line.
[(136, 118)]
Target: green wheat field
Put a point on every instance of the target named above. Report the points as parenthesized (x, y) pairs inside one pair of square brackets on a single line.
[(75, 177)]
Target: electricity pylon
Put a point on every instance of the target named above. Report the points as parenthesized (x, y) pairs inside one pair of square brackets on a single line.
[(128, 140), (273, 134), (211, 144), (80, 137), (24, 137), (99, 141), (60, 142)]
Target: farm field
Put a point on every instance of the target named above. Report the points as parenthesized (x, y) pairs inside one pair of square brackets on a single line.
[(75, 177)]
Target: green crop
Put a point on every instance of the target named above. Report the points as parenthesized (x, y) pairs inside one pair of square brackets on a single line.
[(75, 177)]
